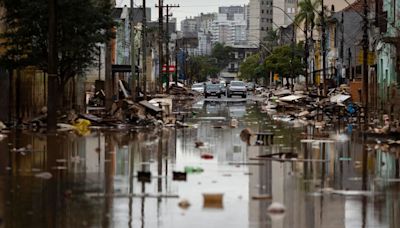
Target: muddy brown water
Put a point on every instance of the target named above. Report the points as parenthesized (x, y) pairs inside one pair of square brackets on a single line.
[(94, 179)]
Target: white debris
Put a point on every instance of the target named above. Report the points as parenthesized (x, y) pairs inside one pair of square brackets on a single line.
[(2, 126), (276, 208), (44, 175)]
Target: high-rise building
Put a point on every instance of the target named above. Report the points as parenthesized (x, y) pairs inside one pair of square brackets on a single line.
[(260, 18), (230, 11), (189, 27), (284, 12), (231, 32)]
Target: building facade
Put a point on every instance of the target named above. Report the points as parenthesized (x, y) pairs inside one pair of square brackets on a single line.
[(229, 30), (260, 20)]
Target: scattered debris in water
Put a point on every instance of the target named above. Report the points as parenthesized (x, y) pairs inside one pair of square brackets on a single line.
[(207, 156), (261, 197), (191, 169), (44, 175), (144, 176), (199, 144), (179, 176), (276, 208), (184, 204), (213, 200)]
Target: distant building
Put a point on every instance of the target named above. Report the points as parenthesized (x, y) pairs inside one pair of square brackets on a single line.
[(283, 12), (230, 11), (260, 20), (231, 32), (189, 27), (205, 46)]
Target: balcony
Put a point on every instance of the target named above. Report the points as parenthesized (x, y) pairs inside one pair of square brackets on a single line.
[(233, 70)]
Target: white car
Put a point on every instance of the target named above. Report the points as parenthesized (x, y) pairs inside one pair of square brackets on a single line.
[(237, 88), (198, 87)]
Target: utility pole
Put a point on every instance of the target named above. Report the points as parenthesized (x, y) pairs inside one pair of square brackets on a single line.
[(323, 45), (292, 58), (160, 43), (342, 47), (306, 53), (176, 61), (52, 84), (167, 54), (144, 50), (133, 63), (365, 58)]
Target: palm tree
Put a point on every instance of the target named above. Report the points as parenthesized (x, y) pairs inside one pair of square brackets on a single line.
[(272, 38), (308, 15)]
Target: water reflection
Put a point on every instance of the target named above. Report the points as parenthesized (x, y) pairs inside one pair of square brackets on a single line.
[(95, 180)]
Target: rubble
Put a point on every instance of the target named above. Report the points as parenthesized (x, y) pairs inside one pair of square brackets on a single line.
[(213, 200), (276, 208), (184, 204), (2, 126), (44, 175)]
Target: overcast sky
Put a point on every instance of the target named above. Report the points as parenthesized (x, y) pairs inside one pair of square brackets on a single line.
[(187, 7)]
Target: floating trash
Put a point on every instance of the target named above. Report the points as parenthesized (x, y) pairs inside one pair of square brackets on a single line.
[(207, 156), (59, 167), (262, 197), (179, 176), (44, 175), (276, 208), (184, 204), (199, 144), (144, 176), (61, 160), (213, 200), (191, 169)]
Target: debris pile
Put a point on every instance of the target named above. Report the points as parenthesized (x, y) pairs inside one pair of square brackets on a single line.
[(303, 108)]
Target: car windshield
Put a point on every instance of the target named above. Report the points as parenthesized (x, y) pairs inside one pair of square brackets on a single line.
[(213, 86), (237, 84), (197, 85)]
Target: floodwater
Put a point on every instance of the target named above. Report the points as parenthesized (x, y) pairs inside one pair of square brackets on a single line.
[(343, 182)]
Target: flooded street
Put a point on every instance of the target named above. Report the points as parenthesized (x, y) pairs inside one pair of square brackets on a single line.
[(101, 180)]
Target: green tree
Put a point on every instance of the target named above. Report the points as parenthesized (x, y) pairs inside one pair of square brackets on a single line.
[(271, 39), (252, 69), (281, 61), (222, 55), (81, 26), (202, 67), (308, 14)]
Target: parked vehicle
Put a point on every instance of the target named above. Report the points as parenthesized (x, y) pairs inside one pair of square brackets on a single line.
[(250, 86), (223, 87), (237, 88), (213, 90), (198, 87)]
